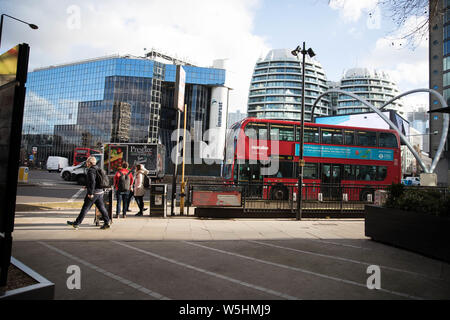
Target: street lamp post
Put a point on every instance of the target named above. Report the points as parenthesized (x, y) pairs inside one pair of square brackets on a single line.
[(301, 162), (32, 26)]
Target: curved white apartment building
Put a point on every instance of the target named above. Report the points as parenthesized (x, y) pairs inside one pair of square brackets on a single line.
[(276, 87), (374, 86)]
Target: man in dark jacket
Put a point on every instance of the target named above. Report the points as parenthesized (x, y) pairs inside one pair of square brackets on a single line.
[(94, 195)]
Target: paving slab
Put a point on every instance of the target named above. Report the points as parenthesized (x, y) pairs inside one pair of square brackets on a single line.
[(185, 257)]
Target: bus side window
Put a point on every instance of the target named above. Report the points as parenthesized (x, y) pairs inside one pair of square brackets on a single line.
[(326, 173), (262, 133), (348, 172), (311, 134), (365, 173), (310, 171), (349, 137), (382, 172), (251, 132), (326, 136), (367, 138), (387, 140), (256, 131), (337, 137)]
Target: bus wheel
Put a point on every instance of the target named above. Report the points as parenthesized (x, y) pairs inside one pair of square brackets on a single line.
[(364, 195), (279, 193)]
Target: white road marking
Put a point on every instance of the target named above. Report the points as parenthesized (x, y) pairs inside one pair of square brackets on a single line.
[(350, 282), (129, 283), (339, 244), (75, 196), (246, 284), (342, 259)]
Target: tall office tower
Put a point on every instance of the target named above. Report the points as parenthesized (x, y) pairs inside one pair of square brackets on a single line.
[(276, 87), (439, 75), (372, 85), (119, 99)]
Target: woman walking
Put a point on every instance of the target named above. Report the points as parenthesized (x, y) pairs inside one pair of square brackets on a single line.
[(139, 189)]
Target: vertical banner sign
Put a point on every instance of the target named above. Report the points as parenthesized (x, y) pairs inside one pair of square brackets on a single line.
[(179, 88), (13, 75)]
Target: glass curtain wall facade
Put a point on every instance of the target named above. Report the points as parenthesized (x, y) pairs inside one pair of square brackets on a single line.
[(373, 86), (439, 75), (111, 99), (276, 87)]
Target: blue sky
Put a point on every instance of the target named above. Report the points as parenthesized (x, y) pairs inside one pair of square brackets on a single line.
[(341, 32), (284, 24)]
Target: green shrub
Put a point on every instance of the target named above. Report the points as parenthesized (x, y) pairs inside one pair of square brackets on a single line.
[(429, 201), (395, 191)]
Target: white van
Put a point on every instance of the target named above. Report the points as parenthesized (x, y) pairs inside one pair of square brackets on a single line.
[(56, 163)]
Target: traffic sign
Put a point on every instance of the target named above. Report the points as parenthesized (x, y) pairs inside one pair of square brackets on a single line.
[(34, 149)]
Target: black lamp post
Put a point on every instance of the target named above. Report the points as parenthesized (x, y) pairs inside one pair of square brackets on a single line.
[(32, 26), (301, 162)]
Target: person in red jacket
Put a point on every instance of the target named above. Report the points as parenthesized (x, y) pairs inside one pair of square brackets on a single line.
[(123, 184)]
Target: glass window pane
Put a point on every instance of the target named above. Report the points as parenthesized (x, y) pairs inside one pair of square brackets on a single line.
[(332, 136), (382, 172), (283, 133), (337, 137), (326, 136), (349, 137), (256, 130), (348, 173), (367, 138), (366, 173), (311, 134), (388, 140), (310, 171), (285, 169)]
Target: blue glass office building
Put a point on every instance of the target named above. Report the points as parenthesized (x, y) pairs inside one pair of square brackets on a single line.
[(110, 99)]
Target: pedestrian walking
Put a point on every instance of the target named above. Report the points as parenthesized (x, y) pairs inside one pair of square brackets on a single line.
[(139, 189), (94, 195), (131, 194), (123, 183)]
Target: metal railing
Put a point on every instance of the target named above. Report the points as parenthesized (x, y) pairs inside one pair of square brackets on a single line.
[(277, 197), (270, 197)]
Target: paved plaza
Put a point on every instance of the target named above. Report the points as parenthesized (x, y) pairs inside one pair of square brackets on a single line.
[(184, 257)]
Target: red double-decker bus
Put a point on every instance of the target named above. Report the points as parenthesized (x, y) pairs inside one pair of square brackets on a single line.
[(267, 152), (81, 154)]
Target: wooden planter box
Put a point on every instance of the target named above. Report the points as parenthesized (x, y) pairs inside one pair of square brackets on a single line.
[(419, 232), (41, 290)]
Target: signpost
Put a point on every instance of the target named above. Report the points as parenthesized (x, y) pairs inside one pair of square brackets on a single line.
[(179, 106)]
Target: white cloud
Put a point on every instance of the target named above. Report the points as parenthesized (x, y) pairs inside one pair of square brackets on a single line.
[(351, 10), (408, 67), (202, 30)]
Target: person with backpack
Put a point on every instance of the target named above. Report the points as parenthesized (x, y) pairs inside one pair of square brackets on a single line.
[(123, 184), (139, 188), (95, 183), (131, 193)]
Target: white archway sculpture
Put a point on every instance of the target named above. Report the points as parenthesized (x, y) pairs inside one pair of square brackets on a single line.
[(445, 120)]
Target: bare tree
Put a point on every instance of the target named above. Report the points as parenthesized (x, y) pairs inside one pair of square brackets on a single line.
[(412, 18)]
